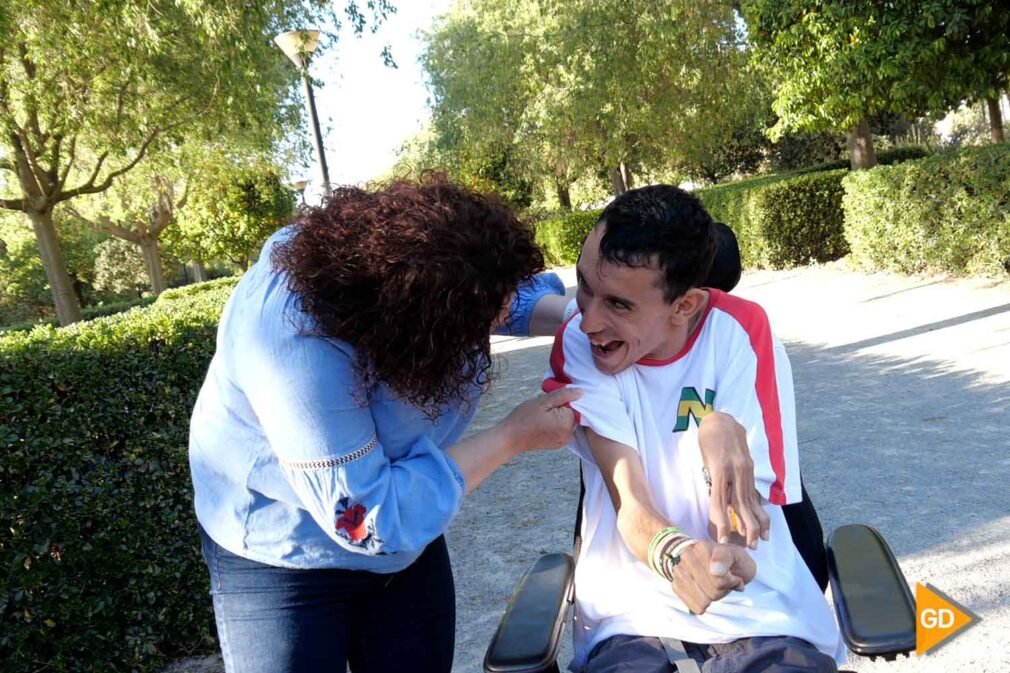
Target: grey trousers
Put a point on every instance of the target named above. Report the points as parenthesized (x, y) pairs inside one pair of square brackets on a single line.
[(775, 654)]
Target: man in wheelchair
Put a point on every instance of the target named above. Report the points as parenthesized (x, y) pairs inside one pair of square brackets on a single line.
[(672, 372)]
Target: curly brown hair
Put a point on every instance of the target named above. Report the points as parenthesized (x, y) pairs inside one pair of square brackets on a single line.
[(412, 276)]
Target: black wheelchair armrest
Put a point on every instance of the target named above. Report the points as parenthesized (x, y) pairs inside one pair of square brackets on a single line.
[(529, 635), (875, 607)]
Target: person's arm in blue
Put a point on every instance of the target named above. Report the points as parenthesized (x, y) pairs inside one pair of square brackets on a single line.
[(537, 307), (302, 389)]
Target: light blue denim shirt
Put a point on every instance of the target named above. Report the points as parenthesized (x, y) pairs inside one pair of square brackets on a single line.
[(291, 468)]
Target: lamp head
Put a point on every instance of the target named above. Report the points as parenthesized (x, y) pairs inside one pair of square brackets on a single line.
[(298, 45)]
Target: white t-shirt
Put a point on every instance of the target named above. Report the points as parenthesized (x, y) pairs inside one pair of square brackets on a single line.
[(731, 363)]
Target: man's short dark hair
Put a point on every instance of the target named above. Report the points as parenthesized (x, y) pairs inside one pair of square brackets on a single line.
[(661, 225)]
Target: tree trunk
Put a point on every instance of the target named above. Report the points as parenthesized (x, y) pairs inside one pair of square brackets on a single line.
[(861, 152), (152, 261), (629, 179), (68, 310), (995, 120), (564, 196), (617, 180), (199, 273)]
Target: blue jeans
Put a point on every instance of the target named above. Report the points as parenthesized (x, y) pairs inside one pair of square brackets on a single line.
[(278, 620)]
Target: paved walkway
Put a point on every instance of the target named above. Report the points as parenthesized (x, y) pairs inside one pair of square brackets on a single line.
[(903, 397)]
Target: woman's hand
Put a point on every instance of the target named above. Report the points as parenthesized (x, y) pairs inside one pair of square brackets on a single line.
[(727, 457), (544, 422)]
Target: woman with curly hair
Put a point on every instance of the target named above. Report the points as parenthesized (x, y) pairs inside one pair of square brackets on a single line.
[(325, 444)]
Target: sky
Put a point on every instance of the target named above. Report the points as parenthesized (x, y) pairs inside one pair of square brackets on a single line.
[(366, 109)]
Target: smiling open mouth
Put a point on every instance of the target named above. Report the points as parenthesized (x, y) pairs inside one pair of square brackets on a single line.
[(603, 350)]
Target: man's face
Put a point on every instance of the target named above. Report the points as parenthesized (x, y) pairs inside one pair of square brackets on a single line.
[(623, 311)]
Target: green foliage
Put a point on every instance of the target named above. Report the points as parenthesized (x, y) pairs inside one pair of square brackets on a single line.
[(839, 61), (804, 149), (91, 88), (89, 313), (782, 220), (561, 237), (239, 202), (569, 88), (897, 155), (946, 213), (98, 543), (24, 290), (119, 268), (217, 285), (894, 155)]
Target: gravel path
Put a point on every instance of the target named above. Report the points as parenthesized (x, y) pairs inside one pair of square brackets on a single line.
[(904, 406)]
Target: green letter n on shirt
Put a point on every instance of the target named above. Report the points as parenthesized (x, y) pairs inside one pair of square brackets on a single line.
[(691, 405)]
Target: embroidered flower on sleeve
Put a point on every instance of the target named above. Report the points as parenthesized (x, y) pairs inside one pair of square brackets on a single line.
[(354, 525)]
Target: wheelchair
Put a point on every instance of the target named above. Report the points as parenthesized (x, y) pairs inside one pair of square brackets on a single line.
[(873, 603)]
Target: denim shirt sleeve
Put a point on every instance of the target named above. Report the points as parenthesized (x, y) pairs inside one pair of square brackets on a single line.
[(527, 295), (302, 389)]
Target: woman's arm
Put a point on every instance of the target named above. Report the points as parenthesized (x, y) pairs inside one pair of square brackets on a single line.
[(536, 307), (540, 423), (305, 395)]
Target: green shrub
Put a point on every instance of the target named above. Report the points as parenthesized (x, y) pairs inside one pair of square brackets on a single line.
[(889, 157), (947, 213), (782, 220), (561, 237), (897, 155), (92, 312), (87, 313), (194, 289), (98, 540)]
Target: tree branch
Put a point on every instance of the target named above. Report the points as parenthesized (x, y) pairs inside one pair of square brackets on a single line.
[(90, 182), (33, 110), (33, 163), (70, 163), (164, 211), (181, 203), (104, 224), (13, 204), (54, 162)]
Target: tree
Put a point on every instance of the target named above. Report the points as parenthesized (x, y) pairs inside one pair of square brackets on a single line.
[(479, 62), (839, 62), (24, 289), (584, 83), (729, 135), (236, 205), (120, 268), (140, 205), (116, 80)]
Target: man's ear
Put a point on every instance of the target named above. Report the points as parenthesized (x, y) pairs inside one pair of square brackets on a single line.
[(689, 304)]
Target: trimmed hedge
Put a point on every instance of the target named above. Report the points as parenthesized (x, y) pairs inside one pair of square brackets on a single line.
[(92, 312), (561, 237), (98, 539), (195, 289), (947, 213), (895, 155), (782, 220), (88, 313)]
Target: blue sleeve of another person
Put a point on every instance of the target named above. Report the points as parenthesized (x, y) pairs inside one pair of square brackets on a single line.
[(303, 391), (526, 297)]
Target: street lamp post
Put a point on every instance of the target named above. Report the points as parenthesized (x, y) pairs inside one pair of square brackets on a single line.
[(298, 46), (299, 186)]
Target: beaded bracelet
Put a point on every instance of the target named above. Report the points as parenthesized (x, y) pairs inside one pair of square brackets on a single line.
[(660, 559)]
